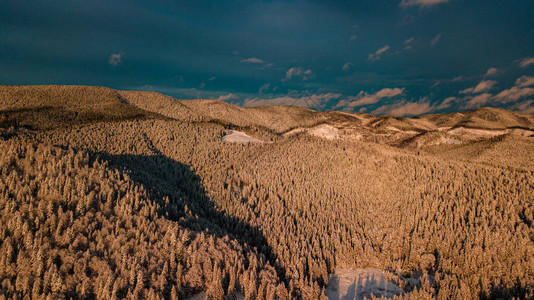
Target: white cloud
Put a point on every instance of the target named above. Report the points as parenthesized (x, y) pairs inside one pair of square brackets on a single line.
[(252, 60), (227, 97), (422, 3), (378, 53), (404, 108), (346, 66), (435, 40), (525, 62), (491, 72), (364, 98), (115, 59), (483, 86), (212, 78), (302, 101), (353, 37), (478, 101), (295, 72), (524, 81)]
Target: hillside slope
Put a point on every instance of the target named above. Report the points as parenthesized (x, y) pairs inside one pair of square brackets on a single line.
[(45, 107)]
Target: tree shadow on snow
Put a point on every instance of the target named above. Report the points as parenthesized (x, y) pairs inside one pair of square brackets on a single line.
[(165, 178)]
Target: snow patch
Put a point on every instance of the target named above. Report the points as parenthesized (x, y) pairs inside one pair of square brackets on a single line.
[(476, 131), (324, 131), (450, 141), (360, 283), (239, 137), (392, 128)]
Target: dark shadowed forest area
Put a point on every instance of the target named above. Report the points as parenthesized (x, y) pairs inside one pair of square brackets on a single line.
[(109, 194)]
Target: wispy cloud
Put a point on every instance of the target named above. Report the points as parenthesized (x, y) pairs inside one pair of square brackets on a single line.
[(483, 86), (491, 72), (524, 81), (298, 72), (264, 88), (514, 94), (346, 66), (353, 37), (434, 41), (253, 60), (422, 3), (525, 62), (408, 43), (116, 59), (257, 61), (227, 97), (405, 108), (315, 100), (478, 101), (525, 106), (447, 103), (378, 53), (522, 89), (363, 98)]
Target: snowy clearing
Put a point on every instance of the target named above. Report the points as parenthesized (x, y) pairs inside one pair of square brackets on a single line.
[(357, 284)]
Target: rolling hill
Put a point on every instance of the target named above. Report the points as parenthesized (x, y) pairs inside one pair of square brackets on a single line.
[(110, 194)]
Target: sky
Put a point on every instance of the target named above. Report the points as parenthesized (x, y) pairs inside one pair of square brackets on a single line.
[(399, 57)]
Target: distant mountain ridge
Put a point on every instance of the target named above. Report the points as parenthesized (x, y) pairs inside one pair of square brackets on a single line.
[(44, 107)]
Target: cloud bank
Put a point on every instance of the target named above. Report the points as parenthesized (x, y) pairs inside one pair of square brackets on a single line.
[(522, 88)]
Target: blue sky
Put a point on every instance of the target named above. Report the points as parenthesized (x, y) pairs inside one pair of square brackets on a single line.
[(401, 57)]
